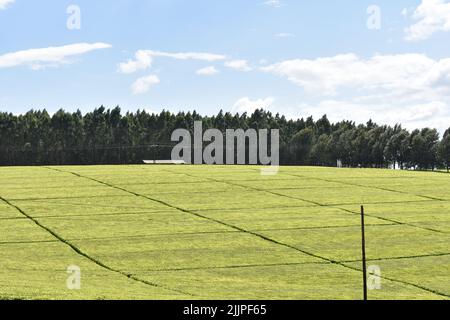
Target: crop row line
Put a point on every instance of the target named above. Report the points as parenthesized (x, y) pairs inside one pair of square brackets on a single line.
[(311, 204), (293, 263), (158, 193), (394, 221), (308, 206), (152, 183), (247, 265), (118, 214), (140, 237), (370, 187)]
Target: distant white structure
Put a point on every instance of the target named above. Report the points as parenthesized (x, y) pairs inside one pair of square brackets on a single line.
[(164, 162), (394, 166)]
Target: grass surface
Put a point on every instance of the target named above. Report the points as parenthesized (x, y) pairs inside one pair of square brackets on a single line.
[(221, 232)]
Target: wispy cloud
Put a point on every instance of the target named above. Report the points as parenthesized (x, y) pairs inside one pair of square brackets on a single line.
[(51, 56), (208, 71), (144, 58), (248, 105), (285, 35), (5, 3), (432, 113), (240, 65), (393, 73), (202, 56), (273, 3), (432, 16), (142, 85)]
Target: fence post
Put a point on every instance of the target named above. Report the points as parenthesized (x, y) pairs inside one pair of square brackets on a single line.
[(364, 253)]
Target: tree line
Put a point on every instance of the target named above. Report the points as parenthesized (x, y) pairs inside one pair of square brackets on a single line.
[(106, 136)]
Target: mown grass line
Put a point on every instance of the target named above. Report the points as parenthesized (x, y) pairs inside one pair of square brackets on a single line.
[(247, 180), (13, 218), (85, 255), (364, 186), (380, 202), (293, 263), (111, 214), (151, 194), (63, 198), (261, 236), (311, 205), (118, 214), (254, 265), (4, 243), (391, 220), (245, 266), (17, 187), (137, 237), (307, 206), (141, 237), (403, 257), (156, 235), (90, 205), (21, 188), (328, 227)]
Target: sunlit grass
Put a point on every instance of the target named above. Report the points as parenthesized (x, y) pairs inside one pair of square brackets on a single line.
[(221, 232)]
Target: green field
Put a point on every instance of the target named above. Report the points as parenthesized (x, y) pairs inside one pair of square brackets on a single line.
[(221, 232)]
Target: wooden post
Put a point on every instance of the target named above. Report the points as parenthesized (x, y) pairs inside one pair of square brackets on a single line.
[(364, 253)]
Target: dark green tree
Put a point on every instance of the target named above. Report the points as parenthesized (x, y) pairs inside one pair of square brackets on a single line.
[(444, 150)]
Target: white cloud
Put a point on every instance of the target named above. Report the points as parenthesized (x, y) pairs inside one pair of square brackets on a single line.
[(273, 3), (433, 16), (142, 85), (240, 65), (142, 61), (4, 4), (432, 114), (208, 71), (144, 58), (151, 111), (411, 89), (403, 73), (202, 56), (285, 35), (247, 105), (44, 57)]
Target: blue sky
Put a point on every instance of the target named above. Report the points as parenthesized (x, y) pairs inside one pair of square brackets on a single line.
[(290, 56)]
